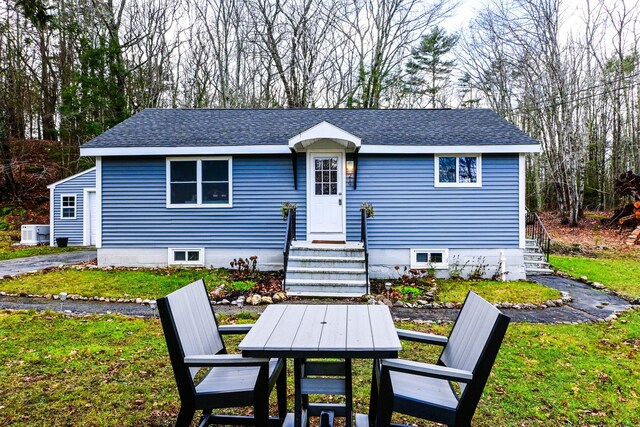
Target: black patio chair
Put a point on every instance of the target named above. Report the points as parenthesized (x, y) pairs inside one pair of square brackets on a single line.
[(209, 379), (449, 391)]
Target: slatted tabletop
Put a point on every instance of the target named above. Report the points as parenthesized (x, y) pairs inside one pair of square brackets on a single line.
[(341, 331)]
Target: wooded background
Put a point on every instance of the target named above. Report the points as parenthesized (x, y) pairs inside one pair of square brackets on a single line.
[(565, 71)]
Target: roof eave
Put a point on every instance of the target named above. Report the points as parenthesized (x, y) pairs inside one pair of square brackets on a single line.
[(284, 149)]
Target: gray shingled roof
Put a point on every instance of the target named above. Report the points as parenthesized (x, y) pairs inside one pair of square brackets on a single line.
[(235, 127)]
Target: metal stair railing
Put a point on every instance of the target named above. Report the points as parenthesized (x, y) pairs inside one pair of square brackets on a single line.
[(536, 230), (365, 243), (289, 237)]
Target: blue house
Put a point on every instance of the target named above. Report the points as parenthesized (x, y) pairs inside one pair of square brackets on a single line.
[(205, 186)]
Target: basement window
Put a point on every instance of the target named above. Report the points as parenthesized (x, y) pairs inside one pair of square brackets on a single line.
[(429, 258), (186, 256)]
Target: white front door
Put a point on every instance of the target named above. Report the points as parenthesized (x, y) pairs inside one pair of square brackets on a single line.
[(325, 197), (91, 218)]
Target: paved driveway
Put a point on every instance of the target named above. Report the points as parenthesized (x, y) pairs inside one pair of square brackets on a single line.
[(14, 267)]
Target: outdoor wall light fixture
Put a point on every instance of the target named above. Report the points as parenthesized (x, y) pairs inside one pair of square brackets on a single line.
[(350, 170)]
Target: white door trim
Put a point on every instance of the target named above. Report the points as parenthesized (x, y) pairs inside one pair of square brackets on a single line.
[(86, 219), (311, 187)]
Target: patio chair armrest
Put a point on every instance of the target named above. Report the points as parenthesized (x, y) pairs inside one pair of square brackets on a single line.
[(427, 370), (422, 337), (212, 360), (235, 329)]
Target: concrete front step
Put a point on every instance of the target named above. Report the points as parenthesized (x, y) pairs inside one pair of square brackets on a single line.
[(327, 294), (536, 263), (538, 270), (324, 253), (326, 262), (305, 273), (533, 256)]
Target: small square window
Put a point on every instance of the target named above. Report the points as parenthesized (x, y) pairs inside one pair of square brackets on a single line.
[(429, 258), (190, 256), (68, 206)]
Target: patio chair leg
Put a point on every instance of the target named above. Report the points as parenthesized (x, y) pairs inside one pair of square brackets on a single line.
[(185, 416), (281, 389), (373, 399)]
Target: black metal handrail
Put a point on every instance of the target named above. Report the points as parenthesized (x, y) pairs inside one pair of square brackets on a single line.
[(365, 243), (535, 229), (289, 236)]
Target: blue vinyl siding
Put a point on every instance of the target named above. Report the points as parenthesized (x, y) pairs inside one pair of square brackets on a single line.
[(134, 212), (71, 228), (411, 213)]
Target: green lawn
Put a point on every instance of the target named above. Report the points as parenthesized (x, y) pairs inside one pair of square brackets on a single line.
[(118, 283), (515, 292), (11, 252), (114, 371), (620, 273), (8, 251)]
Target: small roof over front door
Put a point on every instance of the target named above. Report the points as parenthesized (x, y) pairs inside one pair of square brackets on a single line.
[(324, 130)]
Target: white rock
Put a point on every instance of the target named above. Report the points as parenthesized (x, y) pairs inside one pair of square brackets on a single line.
[(225, 302), (138, 300), (256, 299), (267, 300)]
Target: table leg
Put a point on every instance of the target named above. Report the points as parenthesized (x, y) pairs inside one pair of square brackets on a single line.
[(373, 401), (297, 409)]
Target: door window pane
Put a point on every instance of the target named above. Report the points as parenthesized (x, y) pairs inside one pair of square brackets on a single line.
[(447, 168), (326, 176)]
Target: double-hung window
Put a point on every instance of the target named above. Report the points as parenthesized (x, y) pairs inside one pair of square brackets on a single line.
[(458, 170), (68, 206), (202, 182)]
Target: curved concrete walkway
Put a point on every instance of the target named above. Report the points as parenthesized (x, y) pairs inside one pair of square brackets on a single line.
[(16, 266), (588, 305)]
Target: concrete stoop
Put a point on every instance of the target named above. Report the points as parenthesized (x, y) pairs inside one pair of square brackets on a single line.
[(326, 270), (534, 261)]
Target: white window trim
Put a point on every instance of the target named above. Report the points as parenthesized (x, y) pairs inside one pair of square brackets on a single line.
[(438, 265), (172, 251), (75, 206), (199, 203), (436, 171)]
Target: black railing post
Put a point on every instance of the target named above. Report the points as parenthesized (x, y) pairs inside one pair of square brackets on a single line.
[(289, 236), (365, 243)]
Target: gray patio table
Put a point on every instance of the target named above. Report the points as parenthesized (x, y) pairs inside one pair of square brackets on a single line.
[(302, 332)]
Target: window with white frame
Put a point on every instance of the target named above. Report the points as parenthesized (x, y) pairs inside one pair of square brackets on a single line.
[(186, 256), (429, 258), (68, 206), (458, 170), (203, 182)]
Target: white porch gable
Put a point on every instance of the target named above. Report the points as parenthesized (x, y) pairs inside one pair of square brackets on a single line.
[(324, 130)]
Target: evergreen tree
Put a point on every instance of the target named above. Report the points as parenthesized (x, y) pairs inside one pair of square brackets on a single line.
[(428, 70)]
